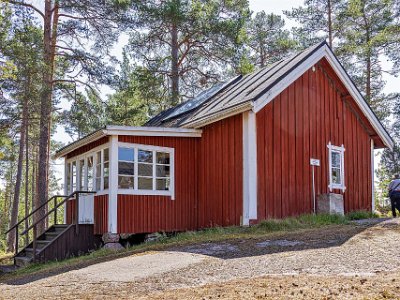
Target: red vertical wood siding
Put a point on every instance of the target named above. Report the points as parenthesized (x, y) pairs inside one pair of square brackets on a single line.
[(221, 173), (298, 125), (100, 214), (140, 214)]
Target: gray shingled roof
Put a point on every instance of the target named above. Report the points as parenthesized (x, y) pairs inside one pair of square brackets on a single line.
[(244, 90)]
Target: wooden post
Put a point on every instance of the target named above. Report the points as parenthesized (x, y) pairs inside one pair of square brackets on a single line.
[(55, 210), (77, 214), (16, 240), (34, 243)]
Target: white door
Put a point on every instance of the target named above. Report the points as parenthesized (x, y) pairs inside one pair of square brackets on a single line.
[(86, 201), (86, 209)]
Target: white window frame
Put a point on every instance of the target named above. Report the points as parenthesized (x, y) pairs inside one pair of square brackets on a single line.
[(340, 150), (154, 149), (84, 156)]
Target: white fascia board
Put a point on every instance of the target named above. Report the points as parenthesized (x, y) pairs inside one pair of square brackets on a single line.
[(84, 141), (153, 131), (220, 116), (288, 80), (344, 77), (355, 93)]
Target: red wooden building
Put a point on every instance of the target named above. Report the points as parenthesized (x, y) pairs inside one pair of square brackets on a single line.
[(234, 155)]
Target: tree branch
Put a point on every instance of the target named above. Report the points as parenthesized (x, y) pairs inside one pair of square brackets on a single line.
[(25, 5)]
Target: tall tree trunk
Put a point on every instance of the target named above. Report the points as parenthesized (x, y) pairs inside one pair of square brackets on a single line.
[(174, 65), (330, 34), (46, 107), (17, 188)]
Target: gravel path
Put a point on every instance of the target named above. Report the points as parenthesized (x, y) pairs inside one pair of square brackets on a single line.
[(344, 252)]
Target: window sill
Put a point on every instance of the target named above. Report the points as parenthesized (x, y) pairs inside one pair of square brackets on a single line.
[(336, 187), (146, 193)]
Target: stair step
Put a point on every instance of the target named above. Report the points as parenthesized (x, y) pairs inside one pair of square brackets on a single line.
[(22, 261), (58, 228), (49, 236), (30, 250), (40, 244)]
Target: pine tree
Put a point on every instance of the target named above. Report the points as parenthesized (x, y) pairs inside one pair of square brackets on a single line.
[(186, 42), (319, 20), (365, 34), (269, 41)]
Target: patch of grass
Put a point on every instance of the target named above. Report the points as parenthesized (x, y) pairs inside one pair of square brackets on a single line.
[(264, 228), (302, 222), (361, 214)]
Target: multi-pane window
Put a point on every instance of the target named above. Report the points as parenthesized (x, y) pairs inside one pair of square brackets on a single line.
[(336, 167), (106, 168), (98, 170), (74, 179), (162, 171), (90, 173), (82, 175), (143, 169), (126, 168)]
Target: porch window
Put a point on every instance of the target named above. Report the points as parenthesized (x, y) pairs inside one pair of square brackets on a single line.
[(336, 167), (90, 173), (144, 168), (102, 169), (106, 168)]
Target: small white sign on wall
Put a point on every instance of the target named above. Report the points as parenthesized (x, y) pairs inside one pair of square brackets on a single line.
[(314, 162)]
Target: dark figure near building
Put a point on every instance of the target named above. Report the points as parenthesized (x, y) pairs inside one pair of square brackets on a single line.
[(394, 194)]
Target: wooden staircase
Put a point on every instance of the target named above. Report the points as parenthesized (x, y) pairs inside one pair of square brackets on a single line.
[(59, 241), (25, 257)]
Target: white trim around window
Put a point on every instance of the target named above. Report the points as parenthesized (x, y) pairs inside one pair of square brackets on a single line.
[(336, 167), (155, 150), (131, 191)]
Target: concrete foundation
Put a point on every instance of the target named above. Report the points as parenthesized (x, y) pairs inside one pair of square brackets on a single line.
[(330, 204)]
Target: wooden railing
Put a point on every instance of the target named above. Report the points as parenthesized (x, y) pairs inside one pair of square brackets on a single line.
[(45, 217)]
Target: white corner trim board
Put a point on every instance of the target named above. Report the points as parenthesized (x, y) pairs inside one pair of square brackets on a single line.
[(324, 51), (113, 185), (249, 167), (373, 175)]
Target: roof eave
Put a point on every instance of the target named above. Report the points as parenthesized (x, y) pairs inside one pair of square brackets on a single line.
[(326, 52), (243, 107), (131, 131), (79, 143)]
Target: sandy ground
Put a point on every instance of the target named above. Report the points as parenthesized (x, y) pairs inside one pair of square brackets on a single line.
[(344, 262)]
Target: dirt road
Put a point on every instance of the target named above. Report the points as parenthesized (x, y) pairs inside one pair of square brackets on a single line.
[(343, 262)]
